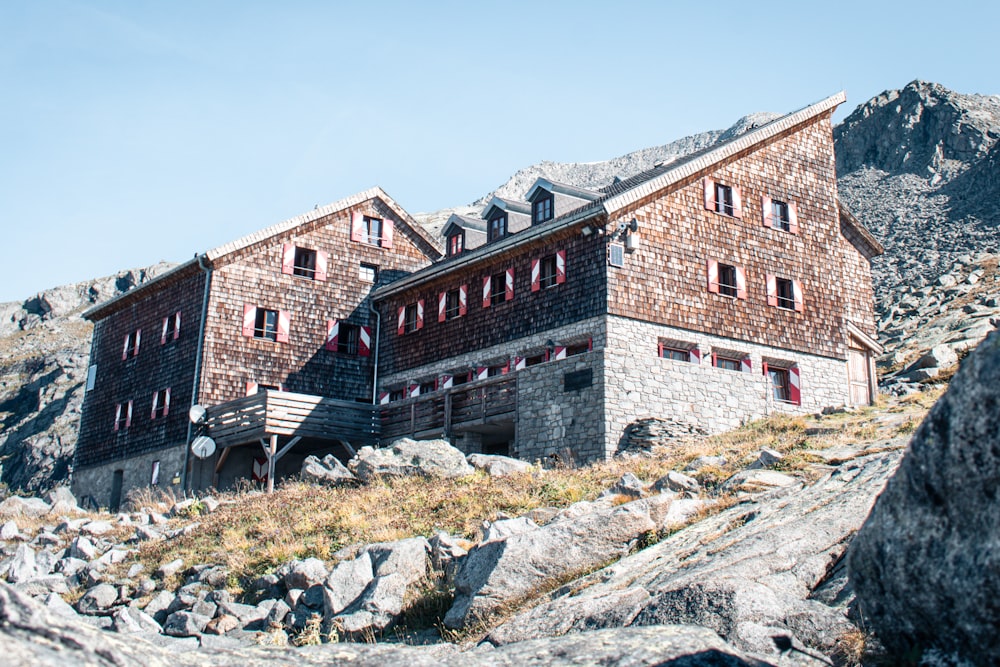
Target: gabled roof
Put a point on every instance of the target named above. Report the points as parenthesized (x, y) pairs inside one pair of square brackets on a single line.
[(287, 225), (463, 222), (870, 247), (213, 256), (619, 195), (506, 205), (562, 189)]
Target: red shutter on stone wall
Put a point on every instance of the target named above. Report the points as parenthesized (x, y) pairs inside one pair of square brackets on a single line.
[(388, 233), (365, 342), (332, 334), (463, 300), (506, 368), (414, 390), (737, 202), (487, 291), (715, 360), (536, 282), (358, 230), (659, 349), (420, 314), (794, 386), (709, 185), (763, 367), (793, 218), (251, 387), (746, 365), (284, 325), (797, 295), (401, 322), (765, 207), (772, 290), (156, 400), (446, 381), (288, 259), (560, 267), (694, 355), (383, 398), (741, 283), (249, 319), (520, 363), (560, 352), (442, 304), (322, 265), (509, 279), (712, 272), (482, 373)]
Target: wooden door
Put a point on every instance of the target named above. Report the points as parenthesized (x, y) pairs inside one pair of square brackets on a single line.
[(859, 374)]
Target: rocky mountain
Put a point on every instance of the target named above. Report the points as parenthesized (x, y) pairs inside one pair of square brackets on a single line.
[(44, 352)]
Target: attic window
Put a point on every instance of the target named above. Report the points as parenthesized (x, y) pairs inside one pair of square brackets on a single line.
[(541, 209), (498, 227), (305, 263), (456, 243), (724, 199), (779, 215)]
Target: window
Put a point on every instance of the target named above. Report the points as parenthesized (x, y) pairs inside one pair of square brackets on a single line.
[(453, 303), (498, 291), (456, 243), (461, 377), (371, 231), (123, 416), (727, 363), (451, 310), (347, 340), (368, 273), (616, 254), (171, 328), (579, 348), (304, 262), (673, 353), (264, 324), (541, 209), (131, 347), (498, 227), (495, 370), (412, 321), (397, 394), (428, 386), (724, 199), (780, 215), (91, 377), (779, 384), (535, 360), (161, 404), (726, 279), (784, 293), (548, 271)]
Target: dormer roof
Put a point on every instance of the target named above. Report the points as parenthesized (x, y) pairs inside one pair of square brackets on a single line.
[(556, 187), (505, 205), (458, 222)]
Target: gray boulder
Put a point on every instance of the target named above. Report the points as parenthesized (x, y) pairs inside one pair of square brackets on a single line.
[(16, 506), (628, 485), (430, 458), (924, 563), (131, 620), (9, 531), (499, 466), (705, 462), (939, 356), (303, 573), (97, 599), (676, 481), (504, 528), (377, 608), (23, 566), (346, 583), (407, 558), (329, 470), (185, 624)]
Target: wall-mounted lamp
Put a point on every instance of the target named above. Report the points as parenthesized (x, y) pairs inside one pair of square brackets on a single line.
[(587, 230)]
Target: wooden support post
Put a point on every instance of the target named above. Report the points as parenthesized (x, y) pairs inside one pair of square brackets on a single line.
[(413, 420), (447, 415), (218, 465), (271, 457)]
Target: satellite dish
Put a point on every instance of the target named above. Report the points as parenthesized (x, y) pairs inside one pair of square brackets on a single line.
[(203, 447), (197, 414)]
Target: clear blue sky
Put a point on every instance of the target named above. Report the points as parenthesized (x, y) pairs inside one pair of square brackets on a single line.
[(137, 131)]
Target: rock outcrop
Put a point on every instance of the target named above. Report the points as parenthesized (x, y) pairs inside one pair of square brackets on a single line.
[(924, 565), (430, 458)]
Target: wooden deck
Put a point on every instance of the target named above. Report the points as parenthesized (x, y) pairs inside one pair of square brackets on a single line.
[(280, 413), (448, 411)]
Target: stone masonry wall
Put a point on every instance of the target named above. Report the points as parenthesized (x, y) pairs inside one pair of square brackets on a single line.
[(639, 383)]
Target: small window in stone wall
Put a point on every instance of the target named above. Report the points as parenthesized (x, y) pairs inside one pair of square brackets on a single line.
[(731, 361), (428, 386), (784, 378), (679, 351), (582, 347), (397, 394), (577, 380)]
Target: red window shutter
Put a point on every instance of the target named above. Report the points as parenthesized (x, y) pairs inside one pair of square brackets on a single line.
[(365, 342), (446, 381), (284, 325), (737, 202), (536, 278), (763, 366), (420, 314), (383, 397), (442, 303), (156, 400), (166, 402), (510, 284), (128, 414), (709, 185), (138, 339), (694, 355), (358, 230), (793, 218), (414, 390), (251, 387), (463, 300), (177, 325), (322, 265), (659, 349), (249, 319), (746, 365), (765, 207), (712, 272), (506, 368), (125, 348), (794, 386), (590, 345), (118, 414), (560, 352), (163, 333), (288, 259), (401, 322), (715, 360), (332, 334), (741, 283), (772, 290), (797, 294), (388, 233), (561, 267), (487, 291), (520, 363), (482, 373)]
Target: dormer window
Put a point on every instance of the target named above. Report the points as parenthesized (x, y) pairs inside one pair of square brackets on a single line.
[(498, 227), (456, 243), (541, 209)]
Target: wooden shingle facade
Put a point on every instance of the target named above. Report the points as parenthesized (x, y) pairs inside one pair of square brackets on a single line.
[(717, 288)]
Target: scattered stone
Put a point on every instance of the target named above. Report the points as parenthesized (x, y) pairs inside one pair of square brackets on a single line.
[(679, 482), (210, 504), (499, 466), (766, 459), (185, 624), (705, 462), (169, 569), (303, 573), (939, 356), (132, 620), (222, 624), (327, 471), (628, 485), (97, 599), (96, 528), (56, 604), (504, 528), (346, 583), (82, 548), (277, 613), (158, 606), (9, 531), (757, 481), (29, 507), (23, 567), (377, 608), (430, 458)]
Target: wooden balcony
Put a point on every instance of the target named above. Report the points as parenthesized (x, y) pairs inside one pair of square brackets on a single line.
[(448, 411), (280, 413)]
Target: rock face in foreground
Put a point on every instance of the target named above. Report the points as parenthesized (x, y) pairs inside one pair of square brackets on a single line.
[(925, 563)]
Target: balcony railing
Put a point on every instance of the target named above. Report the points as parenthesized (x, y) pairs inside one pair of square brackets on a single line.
[(445, 411)]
